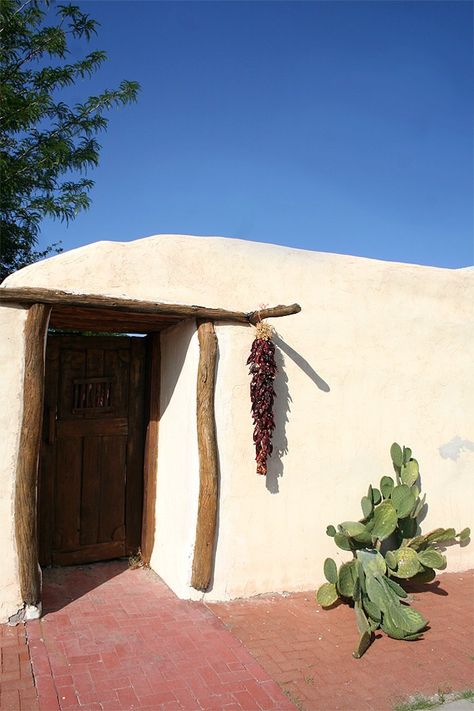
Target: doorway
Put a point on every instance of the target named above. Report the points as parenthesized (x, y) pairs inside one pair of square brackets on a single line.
[(90, 489)]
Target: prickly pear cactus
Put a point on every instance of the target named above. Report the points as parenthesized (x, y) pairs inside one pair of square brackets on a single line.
[(373, 582)]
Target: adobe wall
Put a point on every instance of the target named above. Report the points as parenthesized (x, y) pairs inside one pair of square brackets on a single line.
[(12, 321), (380, 352)]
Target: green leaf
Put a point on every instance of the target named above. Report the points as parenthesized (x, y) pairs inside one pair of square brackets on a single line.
[(346, 579), (361, 576), (411, 637), (439, 535), (372, 562), (446, 534), (464, 534), (356, 593), (372, 610), (353, 528), (386, 486), (330, 570), (406, 506), (432, 558), (331, 531), (417, 510), (410, 619), (426, 575), (396, 454), (406, 454), (361, 619), (391, 560), (342, 541), (376, 496), (408, 563), (364, 643), (391, 629), (417, 542), (385, 520), (327, 595), (376, 593), (403, 500), (413, 621), (398, 590), (367, 506), (410, 472)]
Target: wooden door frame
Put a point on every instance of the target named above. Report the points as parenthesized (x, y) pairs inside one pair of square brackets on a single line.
[(26, 523), (42, 304), (27, 469)]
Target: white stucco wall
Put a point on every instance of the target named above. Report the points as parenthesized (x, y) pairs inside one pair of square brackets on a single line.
[(178, 465), (380, 352), (12, 322)]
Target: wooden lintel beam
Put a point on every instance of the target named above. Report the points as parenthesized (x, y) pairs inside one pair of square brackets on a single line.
[(208, 459), (273, 312), (33, 295), (36, 327)]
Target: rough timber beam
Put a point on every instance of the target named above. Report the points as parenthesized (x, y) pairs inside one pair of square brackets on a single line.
[(53, 297)]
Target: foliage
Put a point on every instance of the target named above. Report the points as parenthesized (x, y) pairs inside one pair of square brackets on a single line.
[(372, 581), (45, 143)]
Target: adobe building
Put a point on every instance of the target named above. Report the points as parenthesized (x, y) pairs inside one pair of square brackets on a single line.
[(114, 443)]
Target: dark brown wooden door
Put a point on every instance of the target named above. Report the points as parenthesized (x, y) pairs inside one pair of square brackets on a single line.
[(91, 470)]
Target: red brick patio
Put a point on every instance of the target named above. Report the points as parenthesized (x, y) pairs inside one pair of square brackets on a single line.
[(17, 690), (307, 650), (114, 639)]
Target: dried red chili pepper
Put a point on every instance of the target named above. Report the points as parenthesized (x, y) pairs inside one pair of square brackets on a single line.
[(263, 370)]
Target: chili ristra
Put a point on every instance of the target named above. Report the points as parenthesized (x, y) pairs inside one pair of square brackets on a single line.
[(263, 370)]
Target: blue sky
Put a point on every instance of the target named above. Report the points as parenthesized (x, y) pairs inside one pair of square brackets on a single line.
[(334, 126)]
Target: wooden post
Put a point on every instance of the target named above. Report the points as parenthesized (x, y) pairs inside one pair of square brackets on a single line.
[(208, 458), (27, 466), (151, 449)]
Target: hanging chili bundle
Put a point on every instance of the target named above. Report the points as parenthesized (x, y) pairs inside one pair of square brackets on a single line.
[(263, 370)]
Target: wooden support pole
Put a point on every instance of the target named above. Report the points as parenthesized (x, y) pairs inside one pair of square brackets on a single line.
[(27, 295), (151, 448), (29, 448), (208, 459)]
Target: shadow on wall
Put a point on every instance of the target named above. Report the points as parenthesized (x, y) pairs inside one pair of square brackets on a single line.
[(283, 408), (302, 363), (182, 339)]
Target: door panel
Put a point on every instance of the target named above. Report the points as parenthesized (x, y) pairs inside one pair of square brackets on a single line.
[(91, 469)]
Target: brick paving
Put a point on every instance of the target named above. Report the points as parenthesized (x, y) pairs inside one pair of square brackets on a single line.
[(17, 690), (115, 639), (308, 650)]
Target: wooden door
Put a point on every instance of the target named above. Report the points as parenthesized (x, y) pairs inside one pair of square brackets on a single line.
[(91, 469)]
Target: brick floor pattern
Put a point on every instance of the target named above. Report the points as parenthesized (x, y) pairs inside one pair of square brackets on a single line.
[(115, 639), (124, 641), (308, 650), (17, 690)]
